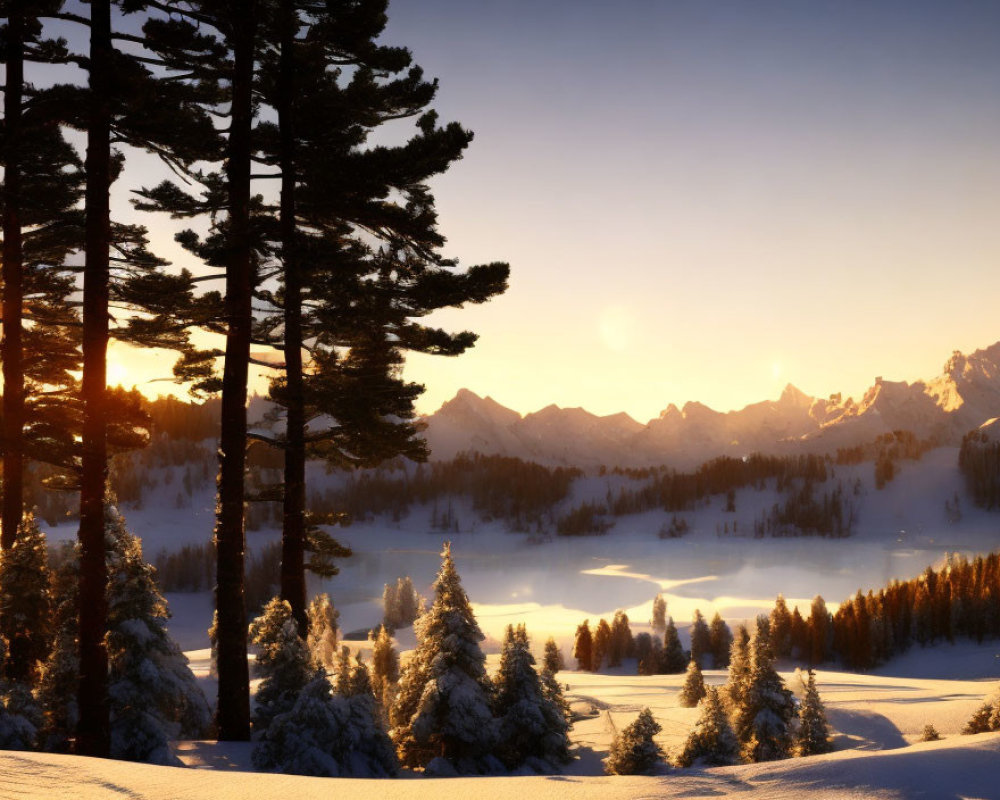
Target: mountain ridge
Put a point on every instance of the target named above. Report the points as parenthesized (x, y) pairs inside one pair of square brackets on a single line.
[(942, 409)]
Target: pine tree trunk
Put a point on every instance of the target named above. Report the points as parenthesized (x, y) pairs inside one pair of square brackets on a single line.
[(233, 714), (93, 730), (13, 291), (293, 576)]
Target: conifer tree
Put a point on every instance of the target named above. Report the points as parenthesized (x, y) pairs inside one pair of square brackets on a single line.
[(659, 618), (602, 644), (553, 660), (327, 735), (442, 709), (819, 631), (213, 47), (283, 662), (323, 630), (583, 648), (621, 644), (634, 751), (126, 102), (799, 635), (25, 602), (694, 686), (781, 629), (674, 658), (701, 640), (385, 670), (20, 716), (739, 668), (532, 728), (711, 741), (720, 642), (813, 735), (331, 86), (59, 675), (153, 694), (763, 718)]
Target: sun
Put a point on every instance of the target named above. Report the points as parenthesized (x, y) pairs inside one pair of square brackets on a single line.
[(117, 373)]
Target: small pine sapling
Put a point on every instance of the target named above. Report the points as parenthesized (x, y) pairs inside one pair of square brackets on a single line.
[(694, 686), (711, 741), (813, 736), (634, 751)]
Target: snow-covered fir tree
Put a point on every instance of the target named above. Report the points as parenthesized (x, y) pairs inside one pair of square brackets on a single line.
[(152, 693), (532, 727), (634, 751), (283, 662), (739, 668), (553, 661), (813, 735), (764, 717), (342, 671), (59, 674), (384, 671), (674, 658), (712, 741), (323, 630), (694, 686), (327, 735), (442, 710), (25, 602), (20, 715)]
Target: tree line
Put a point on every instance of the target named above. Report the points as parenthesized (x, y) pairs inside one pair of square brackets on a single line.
[(979, 462), (332, 268)]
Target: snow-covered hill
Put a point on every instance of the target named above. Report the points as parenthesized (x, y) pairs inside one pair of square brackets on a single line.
[(963, 397)]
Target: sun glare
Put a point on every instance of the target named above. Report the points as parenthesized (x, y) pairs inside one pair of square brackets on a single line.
[(117, 373)]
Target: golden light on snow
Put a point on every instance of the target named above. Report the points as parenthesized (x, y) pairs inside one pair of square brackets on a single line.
[(618, 327)]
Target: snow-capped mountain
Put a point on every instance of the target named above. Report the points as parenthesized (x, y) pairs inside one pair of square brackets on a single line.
[(965, 396)]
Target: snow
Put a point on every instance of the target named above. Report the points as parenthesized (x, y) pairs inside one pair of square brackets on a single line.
[(885, 711)]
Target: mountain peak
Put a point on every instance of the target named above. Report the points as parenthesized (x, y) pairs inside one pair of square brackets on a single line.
[(793, 396)]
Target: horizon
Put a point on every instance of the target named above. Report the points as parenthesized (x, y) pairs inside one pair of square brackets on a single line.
[(726, 200)]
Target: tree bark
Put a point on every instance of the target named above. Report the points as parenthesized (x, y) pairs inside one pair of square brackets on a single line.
[(293, 534), (233, 714), (93, 731), (13, 287)]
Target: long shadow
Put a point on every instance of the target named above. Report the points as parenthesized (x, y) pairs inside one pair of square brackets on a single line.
[(866, 730)]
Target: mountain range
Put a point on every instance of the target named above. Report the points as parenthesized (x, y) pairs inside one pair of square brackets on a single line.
[(965, 396)]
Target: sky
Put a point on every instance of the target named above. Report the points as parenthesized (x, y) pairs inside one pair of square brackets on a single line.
[(707, 200)]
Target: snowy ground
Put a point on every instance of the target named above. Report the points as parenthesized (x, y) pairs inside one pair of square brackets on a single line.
[(553, 586), (877, 721)]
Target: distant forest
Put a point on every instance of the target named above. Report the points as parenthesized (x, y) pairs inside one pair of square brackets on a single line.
[(527, 497)]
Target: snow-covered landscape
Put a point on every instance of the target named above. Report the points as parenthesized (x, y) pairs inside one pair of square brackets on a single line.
[(501, 400), (550, 585)]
